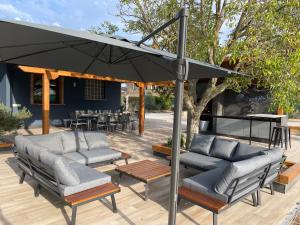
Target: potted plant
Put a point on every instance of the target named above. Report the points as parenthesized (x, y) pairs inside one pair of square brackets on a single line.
[(10, 121), (165, 149)]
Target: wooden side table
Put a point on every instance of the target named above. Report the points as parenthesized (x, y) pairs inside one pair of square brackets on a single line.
[(145, 171)]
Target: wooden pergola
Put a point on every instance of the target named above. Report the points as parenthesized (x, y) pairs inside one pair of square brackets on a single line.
[(52, 74)]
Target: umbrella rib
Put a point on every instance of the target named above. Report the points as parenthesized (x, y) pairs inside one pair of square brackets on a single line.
[(123, 60), (120, 57), (82, 52), (39, 52), (32, 44), (134, 67), (94, 59)]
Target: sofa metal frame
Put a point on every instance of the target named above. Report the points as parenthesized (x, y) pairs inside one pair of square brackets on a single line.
[(205, 201), (46, 178)]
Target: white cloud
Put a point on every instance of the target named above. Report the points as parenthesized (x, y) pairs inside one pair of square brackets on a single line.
[(57, 24), (11, 11)]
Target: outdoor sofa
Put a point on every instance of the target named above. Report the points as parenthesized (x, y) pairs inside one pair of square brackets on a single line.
[(233, 171), (59, 163)]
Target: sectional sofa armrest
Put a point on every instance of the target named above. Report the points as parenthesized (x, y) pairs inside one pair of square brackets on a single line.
[(201, 199)]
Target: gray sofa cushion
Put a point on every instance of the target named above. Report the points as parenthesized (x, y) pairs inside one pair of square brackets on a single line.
[(274, 154), (50, 141), (89, 178), (76, 157), (73, 141), (48, 158), (25, 145), (223, 148), (239, 169), (202, 161), (205, 183), (94, 156), (35, 151), (64, 172), (96, 140), (21, 143), (245, 151), (202, 143)]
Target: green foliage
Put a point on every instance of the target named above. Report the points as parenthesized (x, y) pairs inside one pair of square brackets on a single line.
[(105, 28), (182, 142), (166, 96), (260, 38), (151, 103), (10, 121)]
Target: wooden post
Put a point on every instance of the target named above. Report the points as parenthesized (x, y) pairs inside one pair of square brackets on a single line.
[(46, 102), (142, 109)]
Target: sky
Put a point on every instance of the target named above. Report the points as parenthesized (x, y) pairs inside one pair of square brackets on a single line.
[(74, 14)]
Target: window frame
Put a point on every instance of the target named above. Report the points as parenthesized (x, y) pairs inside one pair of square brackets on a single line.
[(61, 83), (94, 86)]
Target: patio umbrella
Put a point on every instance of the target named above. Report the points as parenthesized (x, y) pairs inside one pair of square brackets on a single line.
[(77, 51), (57, 48)]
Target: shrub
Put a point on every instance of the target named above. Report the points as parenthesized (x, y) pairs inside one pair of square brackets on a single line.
[(182, 141), (11, 121)]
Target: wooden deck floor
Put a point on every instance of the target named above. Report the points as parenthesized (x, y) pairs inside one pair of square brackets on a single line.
[(18, 206)]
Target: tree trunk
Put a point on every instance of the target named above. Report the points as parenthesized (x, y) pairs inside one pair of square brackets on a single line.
[(193, 121)]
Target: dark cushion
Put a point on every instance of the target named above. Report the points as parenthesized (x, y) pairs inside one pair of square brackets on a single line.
[(205, 183), (202, 143), (246, 151), (73, 141), (203, 162), (238, 170), (96, 140), (223, 148)]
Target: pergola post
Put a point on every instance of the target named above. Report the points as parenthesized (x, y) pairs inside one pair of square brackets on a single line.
[(46, 101), (142, 109)]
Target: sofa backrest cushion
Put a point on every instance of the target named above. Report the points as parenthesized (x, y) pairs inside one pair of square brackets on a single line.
[(223, 148), (239, 169), (202, 143), (48, 158), (52, 142), (274, 154), (246, 151), (25, 145), (64, 172), (96, 140), (21, 143), (73, 141)]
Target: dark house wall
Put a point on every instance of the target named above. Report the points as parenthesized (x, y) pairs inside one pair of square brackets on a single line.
[(73, 98)]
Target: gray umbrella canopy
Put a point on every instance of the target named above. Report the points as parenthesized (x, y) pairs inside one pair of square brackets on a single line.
[(52, 47)]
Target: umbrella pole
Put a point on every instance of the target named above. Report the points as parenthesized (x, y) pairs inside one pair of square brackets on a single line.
[(181, 76)]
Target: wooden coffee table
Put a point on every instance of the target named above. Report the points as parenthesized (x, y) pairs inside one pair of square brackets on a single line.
[(146, 171)]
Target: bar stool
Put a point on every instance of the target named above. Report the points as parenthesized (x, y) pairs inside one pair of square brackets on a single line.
[(281, 132)]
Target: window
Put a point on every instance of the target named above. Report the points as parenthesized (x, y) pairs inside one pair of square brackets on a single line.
[(56, 90), (94, 90)]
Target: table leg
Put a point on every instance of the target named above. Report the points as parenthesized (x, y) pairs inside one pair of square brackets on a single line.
[(270, 128), (250, 138), (146, 191), (119, 178)]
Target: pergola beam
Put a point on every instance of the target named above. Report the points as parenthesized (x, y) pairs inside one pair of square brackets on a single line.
[(52, 74), (46, 102), (141, 109)]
